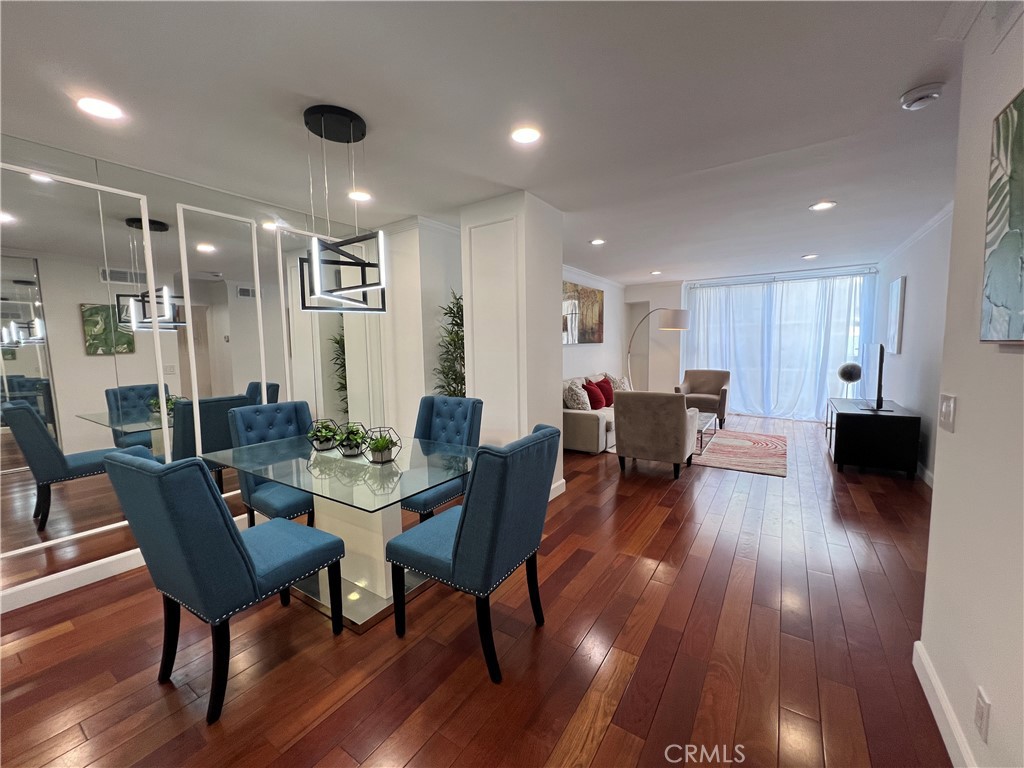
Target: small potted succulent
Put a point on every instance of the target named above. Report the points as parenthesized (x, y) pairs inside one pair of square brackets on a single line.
[(383, 444), (154, 404), (351, 438), (323, 434)]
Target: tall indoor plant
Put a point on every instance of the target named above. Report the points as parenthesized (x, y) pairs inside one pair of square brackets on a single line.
[(451, 369)]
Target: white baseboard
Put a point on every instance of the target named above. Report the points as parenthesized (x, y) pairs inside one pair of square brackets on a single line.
[(926, 474), (64, 581), (952, 734), (557, 489)]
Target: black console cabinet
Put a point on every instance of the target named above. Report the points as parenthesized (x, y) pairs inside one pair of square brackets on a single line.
[(886, 439)]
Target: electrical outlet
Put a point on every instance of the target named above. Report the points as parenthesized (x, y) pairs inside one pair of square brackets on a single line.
[(170, 370), (947, 412), (982, 709)]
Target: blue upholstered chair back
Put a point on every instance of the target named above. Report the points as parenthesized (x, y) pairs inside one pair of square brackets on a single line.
[(42, 453), (188, 539), (254, 392), (131, 403), (253, 424), (454, 420), (504, 509), (213, 416)]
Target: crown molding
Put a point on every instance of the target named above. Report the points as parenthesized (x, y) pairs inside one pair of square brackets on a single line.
[(583, 274)]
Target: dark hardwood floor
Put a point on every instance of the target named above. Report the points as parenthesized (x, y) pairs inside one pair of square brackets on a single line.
[(722, 609)]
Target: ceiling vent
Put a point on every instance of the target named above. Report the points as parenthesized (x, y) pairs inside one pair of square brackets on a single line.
[(246, 293), (921, 97), (122, 276)]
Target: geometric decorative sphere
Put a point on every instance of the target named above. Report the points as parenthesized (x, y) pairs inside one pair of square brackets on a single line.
[(849, 372)]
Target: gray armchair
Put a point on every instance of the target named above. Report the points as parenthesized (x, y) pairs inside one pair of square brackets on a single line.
[(707, 390), (656, 426)]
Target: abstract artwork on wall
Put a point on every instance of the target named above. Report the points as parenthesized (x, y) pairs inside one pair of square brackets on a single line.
[(1002, 298), (10, 354), (582, 314), (897, 292), (103, 336)]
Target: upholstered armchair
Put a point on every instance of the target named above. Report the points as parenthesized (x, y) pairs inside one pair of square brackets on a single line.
[(450, 420), (213, 417), (253, 424), (254, 392), (46, 461), (198, 558), (476, 546), (707, 390), (656, 426), (131, 403)]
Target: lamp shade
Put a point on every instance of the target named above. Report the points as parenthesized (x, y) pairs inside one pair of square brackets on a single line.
[(674, 320)]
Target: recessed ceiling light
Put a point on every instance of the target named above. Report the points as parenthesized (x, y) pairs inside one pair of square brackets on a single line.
[(597, 241), (6, 218), (525, 134), (823, 205), (809, 256), (205, 248), (100, 108), (42, 178), (360, 196), (270, 226), (656, 272)]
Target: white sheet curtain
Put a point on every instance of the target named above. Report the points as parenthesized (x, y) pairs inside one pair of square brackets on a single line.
[(783, 341)]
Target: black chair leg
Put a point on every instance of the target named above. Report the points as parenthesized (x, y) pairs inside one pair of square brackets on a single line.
[(42, 510), (311, 518), (426, 515), (172, 621), (286, 596), (721, 423), (483, 623), (218, 478), (532, 583), (250, 516), (675, 471), (622, 463), (334, 585), (398, 590), (221, 654), (689, 460)]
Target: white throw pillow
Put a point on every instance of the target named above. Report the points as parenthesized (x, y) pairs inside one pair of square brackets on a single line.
[(574, 398), (619, 383)]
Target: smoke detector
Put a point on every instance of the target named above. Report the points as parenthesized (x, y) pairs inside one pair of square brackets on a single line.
[(921, 97)]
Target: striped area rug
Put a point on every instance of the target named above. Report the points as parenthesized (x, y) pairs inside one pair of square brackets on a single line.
[(745, 452)]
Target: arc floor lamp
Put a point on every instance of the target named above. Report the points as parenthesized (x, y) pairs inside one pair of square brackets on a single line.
[(670, 320)]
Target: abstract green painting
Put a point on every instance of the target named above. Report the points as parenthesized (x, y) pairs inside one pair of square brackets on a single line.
[(1002, 299), (103, 336)]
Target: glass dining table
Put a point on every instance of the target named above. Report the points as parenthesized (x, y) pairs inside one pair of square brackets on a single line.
[(132, 425), (358, 501)]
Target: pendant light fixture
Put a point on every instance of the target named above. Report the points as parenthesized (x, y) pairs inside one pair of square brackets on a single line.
[(139, 311), (341, 275)]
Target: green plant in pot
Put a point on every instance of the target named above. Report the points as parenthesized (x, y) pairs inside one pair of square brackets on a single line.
[(383, 444), (154, 404), (323, 434), (351, 438)]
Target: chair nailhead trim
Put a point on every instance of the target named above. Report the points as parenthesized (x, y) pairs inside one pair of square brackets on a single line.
[(257, 600), (439, 504), (74, 477), (463, 589)]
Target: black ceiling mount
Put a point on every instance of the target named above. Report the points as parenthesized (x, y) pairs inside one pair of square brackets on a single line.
[(335, 123), (155, 225), (31, 283)]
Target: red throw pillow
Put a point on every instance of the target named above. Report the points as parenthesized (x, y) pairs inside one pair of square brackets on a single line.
[(606, 390), (594, 393)]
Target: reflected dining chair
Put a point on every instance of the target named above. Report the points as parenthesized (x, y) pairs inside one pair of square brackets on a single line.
[(254, 392), (476, 546), (451, 420), (131, 403), (199, 559), (254, 424), (45, 459), (213, 418)]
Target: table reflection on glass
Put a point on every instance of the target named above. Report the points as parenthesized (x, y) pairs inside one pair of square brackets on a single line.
[(358, 501)]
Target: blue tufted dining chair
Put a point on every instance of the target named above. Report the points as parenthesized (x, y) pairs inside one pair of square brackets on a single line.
[(254, 424), (452, 420), (254, 392), (476, 546), (198, 558), (131, 403), (213, 417), (45, 459)]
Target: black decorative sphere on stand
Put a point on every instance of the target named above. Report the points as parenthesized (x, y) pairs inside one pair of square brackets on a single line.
[(850, 372)]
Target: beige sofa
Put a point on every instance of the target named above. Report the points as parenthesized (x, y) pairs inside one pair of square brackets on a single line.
[(588, 431), (656, 426)]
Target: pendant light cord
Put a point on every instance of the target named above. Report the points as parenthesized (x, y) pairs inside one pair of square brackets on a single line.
[(327, 190)]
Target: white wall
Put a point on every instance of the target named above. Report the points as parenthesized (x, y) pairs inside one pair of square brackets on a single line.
[(664, 365), (912, 377), (974, 592), (610, 355)]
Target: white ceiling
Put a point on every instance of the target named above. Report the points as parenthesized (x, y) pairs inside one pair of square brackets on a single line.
[(691, 136)]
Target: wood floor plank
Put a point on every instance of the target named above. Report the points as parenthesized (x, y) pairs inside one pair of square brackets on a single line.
[(799, 741), (842, 730), (798, 677), (619, 749), (757, 722)]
